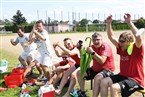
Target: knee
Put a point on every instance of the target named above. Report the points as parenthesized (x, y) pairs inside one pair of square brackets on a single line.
[(105, 82), (98, 78), (20, 58), (114, 88)]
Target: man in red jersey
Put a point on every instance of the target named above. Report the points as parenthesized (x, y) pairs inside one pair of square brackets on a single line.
[(131, 51), (103, 64), (60, 67), (72, 51)]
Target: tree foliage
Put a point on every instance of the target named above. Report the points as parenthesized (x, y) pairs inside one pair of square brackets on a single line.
[(83, 22), (140, 23), (96, 21), (18, 18)]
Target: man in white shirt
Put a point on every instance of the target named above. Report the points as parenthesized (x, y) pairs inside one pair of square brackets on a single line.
[(29, 53), (43, 47)]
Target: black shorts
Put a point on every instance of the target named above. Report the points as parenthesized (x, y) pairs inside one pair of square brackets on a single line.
[(128, 85), (77, 66), (91, 73)]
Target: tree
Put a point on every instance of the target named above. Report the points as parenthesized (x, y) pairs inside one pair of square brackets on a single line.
[(140, 23), (96, 21), (18, 19), (83, 22)]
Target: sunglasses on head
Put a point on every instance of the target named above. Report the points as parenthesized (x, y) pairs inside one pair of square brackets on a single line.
[(121, 41)]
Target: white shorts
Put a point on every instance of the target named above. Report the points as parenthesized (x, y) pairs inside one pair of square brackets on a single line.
[(45, 59), (33, 54)]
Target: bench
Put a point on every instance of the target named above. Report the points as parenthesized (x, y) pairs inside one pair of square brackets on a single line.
[(142, 91)]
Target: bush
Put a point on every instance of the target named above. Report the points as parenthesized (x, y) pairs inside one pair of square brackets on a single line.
[(13, 28)]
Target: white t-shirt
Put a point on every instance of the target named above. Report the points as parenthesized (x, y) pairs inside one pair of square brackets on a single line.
[(43, 46), (23, 40)]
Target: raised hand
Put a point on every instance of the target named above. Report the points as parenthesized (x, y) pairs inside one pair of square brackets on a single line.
[(109, 19), (127, 17)]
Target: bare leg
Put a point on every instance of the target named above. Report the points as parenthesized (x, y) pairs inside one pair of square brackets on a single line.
[(81, 81), (39, 69), (46, 71), (72, 84), (105, 84), (57, 79), (22, 61), (65, 79), (29, 68), (96, 87), (115, 90)]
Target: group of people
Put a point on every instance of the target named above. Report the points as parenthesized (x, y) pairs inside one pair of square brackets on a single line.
[(129, 47)]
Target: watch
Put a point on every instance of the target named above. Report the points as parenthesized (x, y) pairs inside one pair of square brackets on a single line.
[(93, 53)]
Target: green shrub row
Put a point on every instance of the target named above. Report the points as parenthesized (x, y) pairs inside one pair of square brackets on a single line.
[(116, 26), (13, 28), (98, 27)]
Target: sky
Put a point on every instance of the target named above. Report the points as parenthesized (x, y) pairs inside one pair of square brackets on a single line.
[(71, 9)]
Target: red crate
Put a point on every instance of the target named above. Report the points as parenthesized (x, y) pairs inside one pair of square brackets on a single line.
[(18, 70), (14, 80)]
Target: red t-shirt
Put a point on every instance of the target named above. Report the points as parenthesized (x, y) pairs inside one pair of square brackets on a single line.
[(63, 63), (132, 65), (104, 50), (76, 57)]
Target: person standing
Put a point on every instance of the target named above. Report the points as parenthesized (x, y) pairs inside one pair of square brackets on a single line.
[(29, 53), (41, 38)]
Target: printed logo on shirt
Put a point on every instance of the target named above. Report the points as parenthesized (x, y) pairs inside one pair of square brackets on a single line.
[(124, 58)]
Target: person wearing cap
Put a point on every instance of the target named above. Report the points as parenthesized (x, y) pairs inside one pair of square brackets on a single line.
[(60, 67), (131, 50), (72, 51), (102, 66)]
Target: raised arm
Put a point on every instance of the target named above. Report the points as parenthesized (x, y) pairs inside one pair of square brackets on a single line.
[(67, 51), (14, 43), (110, 34), (134, 30), (59, 54)]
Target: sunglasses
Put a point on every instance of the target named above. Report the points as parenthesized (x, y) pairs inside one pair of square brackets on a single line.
[(121, 41), (64, 57)]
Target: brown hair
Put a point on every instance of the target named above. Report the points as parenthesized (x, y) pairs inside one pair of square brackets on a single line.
[(96, 34), (20, 28), (127, 36), (40, 21), (66, 39)]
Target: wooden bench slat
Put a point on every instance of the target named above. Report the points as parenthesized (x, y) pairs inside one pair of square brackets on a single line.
[(142, 91)]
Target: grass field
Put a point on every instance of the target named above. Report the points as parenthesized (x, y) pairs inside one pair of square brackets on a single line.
[(14, 92)]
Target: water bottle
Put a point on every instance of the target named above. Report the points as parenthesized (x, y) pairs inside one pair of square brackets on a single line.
[(4, 63), (3, 66)]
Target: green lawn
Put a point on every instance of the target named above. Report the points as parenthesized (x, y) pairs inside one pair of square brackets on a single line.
[(14, 92)]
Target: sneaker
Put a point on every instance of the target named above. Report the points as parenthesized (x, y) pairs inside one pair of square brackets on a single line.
[(44, 79), (82, 93)]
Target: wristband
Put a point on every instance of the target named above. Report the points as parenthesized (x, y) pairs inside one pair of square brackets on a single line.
[(93, 53)]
